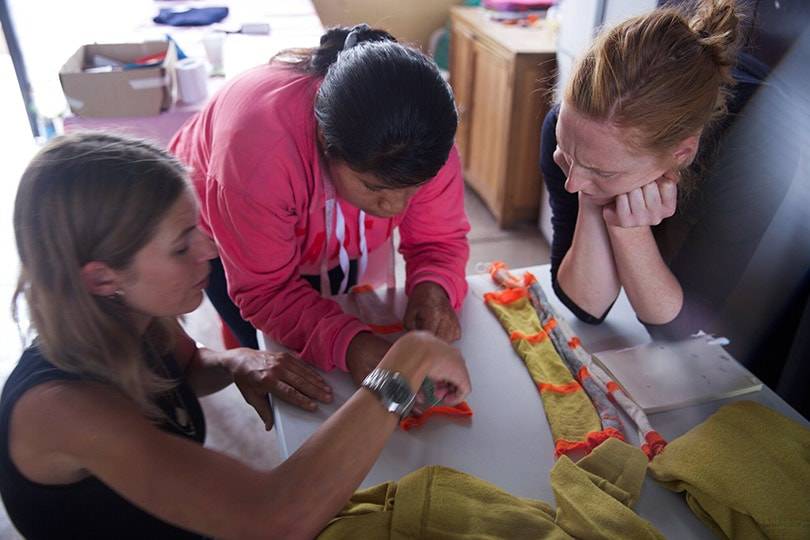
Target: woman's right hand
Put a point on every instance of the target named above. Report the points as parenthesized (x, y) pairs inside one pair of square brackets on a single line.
[(645, 206), (420, 354)]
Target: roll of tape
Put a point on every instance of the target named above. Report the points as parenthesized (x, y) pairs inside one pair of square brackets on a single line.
[(192, 80)]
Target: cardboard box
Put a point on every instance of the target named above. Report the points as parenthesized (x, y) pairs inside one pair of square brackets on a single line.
[(143, 91)]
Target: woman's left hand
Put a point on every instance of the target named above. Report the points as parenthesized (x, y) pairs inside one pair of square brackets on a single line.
[(644, 206), (258, 373), (429, 309)]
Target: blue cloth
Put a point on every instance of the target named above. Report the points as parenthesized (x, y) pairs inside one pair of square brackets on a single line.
[(192, 16)]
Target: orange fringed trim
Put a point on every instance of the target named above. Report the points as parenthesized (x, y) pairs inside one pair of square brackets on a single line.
[(531, 338), (592, 440), (537, 337), (529, 279), (567, 388), (574, 342), (507, 296), (495, 266), (583, 374), (564, 447), (655, 444), (462, 410), (387, 328), (509, 281), (612, 387), (362, 288)]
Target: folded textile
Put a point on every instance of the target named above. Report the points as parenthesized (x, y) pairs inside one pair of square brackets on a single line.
[(594, 497), (191, 16), (745, 472)]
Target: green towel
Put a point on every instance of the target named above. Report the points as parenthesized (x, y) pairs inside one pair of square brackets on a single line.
[(745, 471), (435, 502)]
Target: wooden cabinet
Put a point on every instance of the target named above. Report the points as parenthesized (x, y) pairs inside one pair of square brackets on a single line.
[(502, 78)]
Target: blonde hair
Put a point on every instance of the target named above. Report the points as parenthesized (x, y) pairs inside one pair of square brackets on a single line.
[(662, 75), (93, 197)]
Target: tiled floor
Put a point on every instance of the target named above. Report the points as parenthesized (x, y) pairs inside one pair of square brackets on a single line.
[(233, 426)]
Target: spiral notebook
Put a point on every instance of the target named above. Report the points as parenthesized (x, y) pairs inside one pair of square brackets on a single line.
[(664, 376)]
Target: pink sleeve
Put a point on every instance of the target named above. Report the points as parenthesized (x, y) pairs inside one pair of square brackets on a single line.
[(255, 233), (434, 233)]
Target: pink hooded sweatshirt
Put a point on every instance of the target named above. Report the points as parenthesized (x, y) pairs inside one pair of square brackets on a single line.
[(256, 167)]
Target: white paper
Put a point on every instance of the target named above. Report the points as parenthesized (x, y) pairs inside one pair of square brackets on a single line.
[(664, 376)]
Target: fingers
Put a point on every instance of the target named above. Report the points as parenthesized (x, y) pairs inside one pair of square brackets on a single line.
[(618, 213), (287, 378), (449, 371), (292, 395), (647, 205), (669, 196), (651, 197), (638, 206), (609, 215), (307, 380), (307, 383), (288, 368), (282, 375), (261, 403)]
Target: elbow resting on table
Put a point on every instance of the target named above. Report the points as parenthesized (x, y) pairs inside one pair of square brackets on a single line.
[(666, 312), (577, 310)]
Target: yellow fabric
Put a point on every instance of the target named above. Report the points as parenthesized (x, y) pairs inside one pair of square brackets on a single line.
[(570, 416), (594, 496), (745, 471), (444, 504)]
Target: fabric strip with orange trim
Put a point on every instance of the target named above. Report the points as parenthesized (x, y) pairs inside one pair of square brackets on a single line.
[(574, 422), (565, 347), (596, 382), (378, 316)]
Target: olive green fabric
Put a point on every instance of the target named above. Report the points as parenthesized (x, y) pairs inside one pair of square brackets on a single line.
[(594, 498), (745, 472), (571, 416)]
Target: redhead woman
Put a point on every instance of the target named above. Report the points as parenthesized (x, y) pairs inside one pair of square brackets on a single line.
[(627, 156)]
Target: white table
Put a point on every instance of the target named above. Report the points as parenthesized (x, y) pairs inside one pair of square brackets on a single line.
[(508, 441)]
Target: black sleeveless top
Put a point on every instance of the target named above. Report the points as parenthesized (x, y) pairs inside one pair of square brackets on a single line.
[(87, 508)]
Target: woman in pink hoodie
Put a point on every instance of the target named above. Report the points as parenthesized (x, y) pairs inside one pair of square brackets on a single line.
[(303, 168)]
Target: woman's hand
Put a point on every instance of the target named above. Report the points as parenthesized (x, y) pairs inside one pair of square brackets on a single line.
[(645, 206), (429, 309), (257, 373), (420, 354), (364, 353)]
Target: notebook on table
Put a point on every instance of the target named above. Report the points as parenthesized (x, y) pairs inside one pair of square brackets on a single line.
[(662, 376)]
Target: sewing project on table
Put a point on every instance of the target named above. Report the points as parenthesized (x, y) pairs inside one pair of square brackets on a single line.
[(378, 316), (527, 302)]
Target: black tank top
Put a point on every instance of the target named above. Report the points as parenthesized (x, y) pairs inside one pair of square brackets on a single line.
[(88, 508)]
